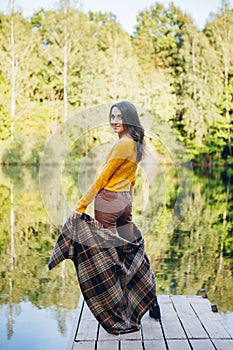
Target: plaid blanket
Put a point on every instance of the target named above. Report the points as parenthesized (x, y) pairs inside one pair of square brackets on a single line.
[(115, 277)]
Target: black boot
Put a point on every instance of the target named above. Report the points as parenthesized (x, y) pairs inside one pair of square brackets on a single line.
[(154, 311)]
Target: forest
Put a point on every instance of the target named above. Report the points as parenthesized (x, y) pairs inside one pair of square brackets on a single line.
[(63, 61)]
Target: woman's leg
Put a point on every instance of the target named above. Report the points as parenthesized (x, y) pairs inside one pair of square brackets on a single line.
[(125, 226), (114, 211), (107, 209)]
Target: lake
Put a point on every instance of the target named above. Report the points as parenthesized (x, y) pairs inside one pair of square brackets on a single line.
[(38, 307)]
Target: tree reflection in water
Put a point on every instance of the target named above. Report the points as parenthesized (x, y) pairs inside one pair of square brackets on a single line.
[(198, 253)]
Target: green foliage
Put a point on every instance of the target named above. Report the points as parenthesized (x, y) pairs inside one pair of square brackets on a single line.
[(4, 124), (63, 61), (35, 154), (198, 252), (5, 205), (199, 91), (158, 35), (14, 154), (5, 119), (167, 39)]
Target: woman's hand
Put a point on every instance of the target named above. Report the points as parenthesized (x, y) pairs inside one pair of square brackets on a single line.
[(97, 224), (78, 215)]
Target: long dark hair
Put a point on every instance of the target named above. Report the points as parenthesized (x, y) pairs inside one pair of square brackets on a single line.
[(132, 124)]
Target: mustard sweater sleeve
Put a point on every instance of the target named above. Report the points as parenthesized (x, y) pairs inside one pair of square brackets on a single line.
[(116, 157)]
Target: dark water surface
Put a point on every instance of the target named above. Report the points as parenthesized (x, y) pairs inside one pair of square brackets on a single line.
[(37, 307)]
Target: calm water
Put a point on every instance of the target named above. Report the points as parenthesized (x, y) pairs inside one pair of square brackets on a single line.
[(37, 307)]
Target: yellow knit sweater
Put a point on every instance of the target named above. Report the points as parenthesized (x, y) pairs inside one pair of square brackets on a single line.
[(118, 173)]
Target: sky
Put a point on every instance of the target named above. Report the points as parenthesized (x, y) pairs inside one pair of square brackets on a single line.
[(125, 10)]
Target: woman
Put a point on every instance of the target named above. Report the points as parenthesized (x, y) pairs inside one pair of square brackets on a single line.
[(113, 189)]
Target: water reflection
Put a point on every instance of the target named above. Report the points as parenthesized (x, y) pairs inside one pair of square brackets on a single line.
[(196, 254), (35, 328), (30, 296)]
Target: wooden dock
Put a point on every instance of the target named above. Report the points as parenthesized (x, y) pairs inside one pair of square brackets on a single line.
[(187, 323)]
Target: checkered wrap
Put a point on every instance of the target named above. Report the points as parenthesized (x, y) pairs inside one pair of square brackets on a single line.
[(114, 275)]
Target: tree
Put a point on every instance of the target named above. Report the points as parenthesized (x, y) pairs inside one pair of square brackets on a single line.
[(220, 33), (16, 47), (198, 89), (56, 37), (156, 41), (158, 35), (117, 61)]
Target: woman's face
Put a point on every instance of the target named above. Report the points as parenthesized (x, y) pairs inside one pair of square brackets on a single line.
[(117, 122)]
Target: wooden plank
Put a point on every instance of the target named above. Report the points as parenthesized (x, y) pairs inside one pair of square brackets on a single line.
[(178, 344), (84, 345), (87, 330), (130, 345), (131, 336), (80, 304), (189, 320), (223, 344), (76, 322), (154, 344), (88, 326), (103, 335), (151, 328), (202, 344), (87, 314), (211, 320), (170, 321), (107, 345), (193, 313)]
